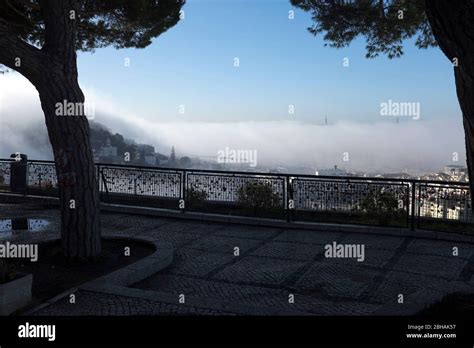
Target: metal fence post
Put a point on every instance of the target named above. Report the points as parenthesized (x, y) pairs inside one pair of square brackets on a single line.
[(27, 177), (104, 183), (184, 192), (289, 198), (413, 201), (99, 184)]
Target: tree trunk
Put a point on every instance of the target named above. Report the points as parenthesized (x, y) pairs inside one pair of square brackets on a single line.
[(78, 189), (452, 25), (69, 132), (465, 91)]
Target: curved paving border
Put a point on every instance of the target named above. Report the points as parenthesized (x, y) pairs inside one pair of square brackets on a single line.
[(160, 259), (135, 272)]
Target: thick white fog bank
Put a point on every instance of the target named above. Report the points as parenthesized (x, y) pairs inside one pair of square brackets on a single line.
[(382, 146)]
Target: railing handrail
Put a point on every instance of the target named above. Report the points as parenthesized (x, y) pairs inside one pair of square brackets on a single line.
[(32, 161), (279, 175)]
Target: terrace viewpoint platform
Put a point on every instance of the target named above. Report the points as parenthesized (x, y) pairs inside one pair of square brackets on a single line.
[(273, 263)]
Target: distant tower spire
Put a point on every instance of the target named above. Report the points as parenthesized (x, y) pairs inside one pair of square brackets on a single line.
[(172, 158)]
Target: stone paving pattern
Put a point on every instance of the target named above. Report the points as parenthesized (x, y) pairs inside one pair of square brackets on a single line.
[(272, 264)]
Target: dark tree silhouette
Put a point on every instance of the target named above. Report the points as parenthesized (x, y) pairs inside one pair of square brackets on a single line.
[(39, 39), (185, 162), (387, 23)]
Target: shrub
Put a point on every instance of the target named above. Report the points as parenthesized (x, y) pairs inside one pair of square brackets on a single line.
[(259, 196), (195, 197), (47, 184), (381, 204)]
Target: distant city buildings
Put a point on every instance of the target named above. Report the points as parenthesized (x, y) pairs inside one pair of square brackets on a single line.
[(457, 173), (156, 159), (404, 176), (450, 173), (332, 172), (150, 159), (107, 153), (455, 170)]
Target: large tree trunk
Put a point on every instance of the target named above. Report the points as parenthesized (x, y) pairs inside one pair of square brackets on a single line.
[(69, 133), (452, 23), (78, 190), (465, 90)]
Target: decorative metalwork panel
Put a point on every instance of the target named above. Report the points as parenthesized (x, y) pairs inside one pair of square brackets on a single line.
[(346, 196), (230, 187), (149, 182), (4, 173), (42, 175), (449, 202), (311, 198)]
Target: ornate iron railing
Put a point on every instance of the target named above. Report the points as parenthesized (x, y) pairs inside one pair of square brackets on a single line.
[(359, 200), (354, 200), (42, 175), (140, 182), (444, 201), (4, 174)]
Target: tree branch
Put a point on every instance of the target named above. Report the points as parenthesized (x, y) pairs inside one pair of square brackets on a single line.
[(19, 55)]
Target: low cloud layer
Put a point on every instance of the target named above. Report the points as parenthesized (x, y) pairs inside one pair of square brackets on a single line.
[(416, 146)]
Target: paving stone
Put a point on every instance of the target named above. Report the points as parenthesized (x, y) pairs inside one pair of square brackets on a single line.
[(260, 270), (289, 251), (225, 245), (127, 232), (121, 222), (377, 257), (217, 290), (336, 278), (306, 236), (251, 232), (196, 263), (446, 267), (257, 297), (440, 248), (178, 239), (193, 227), (374, 241), (93, 303), (396, 282)]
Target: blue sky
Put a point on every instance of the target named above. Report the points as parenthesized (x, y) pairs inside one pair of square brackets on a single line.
[(281, 63)]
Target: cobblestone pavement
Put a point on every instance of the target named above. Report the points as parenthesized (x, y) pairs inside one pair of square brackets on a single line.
[(261, 268), (94, 303)]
